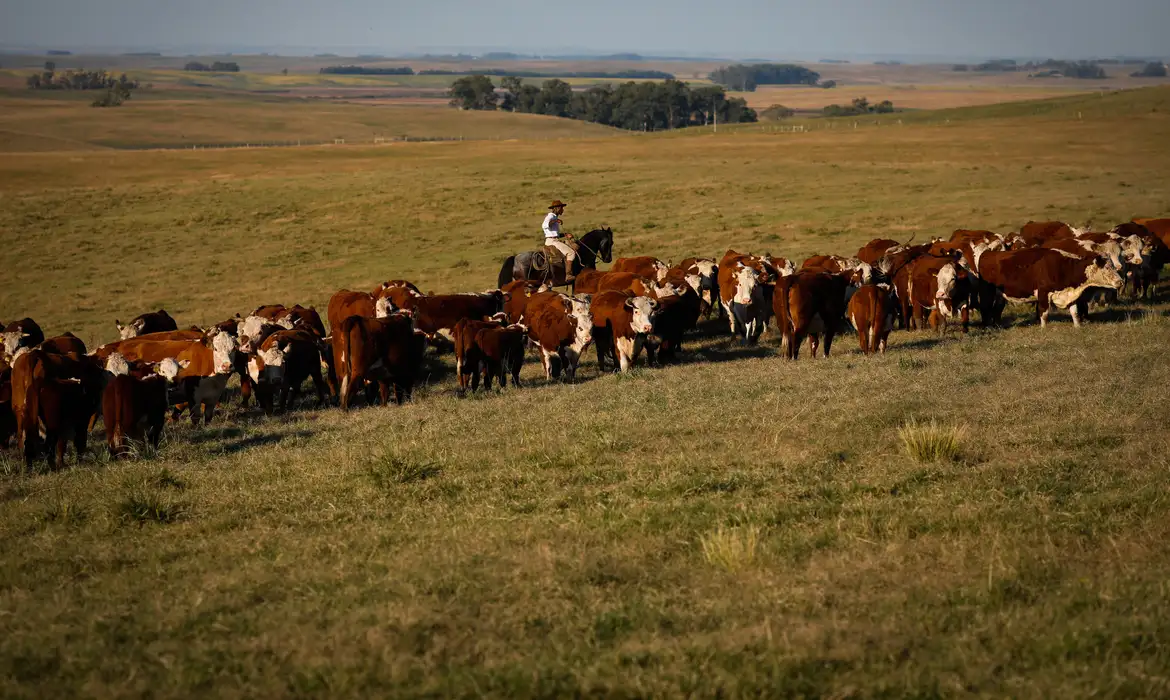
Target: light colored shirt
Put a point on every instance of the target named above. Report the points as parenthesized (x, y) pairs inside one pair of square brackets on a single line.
[(552, 226)]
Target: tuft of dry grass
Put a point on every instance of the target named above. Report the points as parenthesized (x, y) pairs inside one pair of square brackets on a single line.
[(731, 548), (932, 442)]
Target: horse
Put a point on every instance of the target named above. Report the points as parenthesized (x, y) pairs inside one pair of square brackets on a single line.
[(598, 243)]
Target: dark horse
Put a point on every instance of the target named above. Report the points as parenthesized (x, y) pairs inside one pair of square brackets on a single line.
[(598, 243)]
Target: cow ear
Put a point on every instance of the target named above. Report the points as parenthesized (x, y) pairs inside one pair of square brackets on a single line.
[(184, 363), (629, 304)]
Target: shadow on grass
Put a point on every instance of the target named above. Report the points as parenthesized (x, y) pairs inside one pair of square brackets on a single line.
[(236, 446)]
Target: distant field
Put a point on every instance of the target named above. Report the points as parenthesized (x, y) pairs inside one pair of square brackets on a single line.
[(581, 540), (67, 122), (938, 96)]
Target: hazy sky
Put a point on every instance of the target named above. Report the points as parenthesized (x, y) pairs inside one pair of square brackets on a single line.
[(780, 28)]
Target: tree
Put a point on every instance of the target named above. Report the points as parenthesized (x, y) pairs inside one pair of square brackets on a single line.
[(284, 71), (473, 92), (50, 66), (1151, 70), (555, 98), (777, 112), (829, 84)]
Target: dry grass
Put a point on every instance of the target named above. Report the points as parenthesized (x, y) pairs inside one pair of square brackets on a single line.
[(550, 542), (931, 442)]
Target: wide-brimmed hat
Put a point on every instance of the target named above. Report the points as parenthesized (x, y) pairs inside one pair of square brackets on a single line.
[(556, 203)]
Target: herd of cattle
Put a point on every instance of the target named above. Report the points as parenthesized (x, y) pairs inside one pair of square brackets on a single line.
[(53, 390)]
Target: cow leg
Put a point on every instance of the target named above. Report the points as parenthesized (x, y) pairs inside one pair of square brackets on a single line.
[(546, 362), (401, 393), (965, 315), (814, 342), (1042, 306), (208, 411), (489, 372), (829, 334), (319, 384), (245, 390), (383, 390)]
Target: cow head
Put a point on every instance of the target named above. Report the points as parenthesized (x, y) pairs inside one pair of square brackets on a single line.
[(116, 364), (267, 365), (168, 369), (667, 289), (946, 278), (1134, 249), (707, 269), (383, 307), (642, 311), (223, 352), (12, 341), (250, 333), (746, 282), (1100, 273), (130, 330)]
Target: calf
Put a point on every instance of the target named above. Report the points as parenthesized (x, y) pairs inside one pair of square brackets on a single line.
[(382, 351), (811, 304), (151, 322), (871, 311), (501, 351), (24, 333), (134, 403), (621, 322), (646, 266), (561, 328), (468, 356), (674, 316), (282, 363)]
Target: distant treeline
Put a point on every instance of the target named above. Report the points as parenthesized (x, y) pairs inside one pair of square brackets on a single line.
[(647, 106), (216, 67), (745, 77), (507, 72), (143, 53), (1043, 69), (79, 79), (860, 105), (365, 70)]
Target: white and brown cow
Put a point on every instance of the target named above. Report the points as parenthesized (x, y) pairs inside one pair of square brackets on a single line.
[(152, 322), (742, 293), (435, 315), (561, 328), (24, 333), (647, 266), (621, 323), (378, 352), (871, 311), (1044, 277)]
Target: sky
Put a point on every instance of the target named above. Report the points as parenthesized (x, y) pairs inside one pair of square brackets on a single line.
[(810, 29)]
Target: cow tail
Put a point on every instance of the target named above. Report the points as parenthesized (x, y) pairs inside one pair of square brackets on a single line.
[(506, 272), (783, 316), (32, 411), (345, 361)]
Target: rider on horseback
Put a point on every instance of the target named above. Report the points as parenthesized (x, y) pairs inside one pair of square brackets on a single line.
[(554, 238)]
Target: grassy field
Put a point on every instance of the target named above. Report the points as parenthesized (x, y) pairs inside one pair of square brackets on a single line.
[(732, 525)]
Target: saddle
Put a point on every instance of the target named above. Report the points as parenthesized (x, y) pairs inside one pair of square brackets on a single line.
[(551, 257)]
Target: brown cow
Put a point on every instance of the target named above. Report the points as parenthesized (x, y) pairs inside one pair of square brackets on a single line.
[(585, 282), (646, 266), (706, 272), (468, 357), (637, 285), (346, 303), (873, 251), (621, 322), (437, 314), (381, 289), (60, 408), (1042, 276), (124, 346), (742, 294), (35, 365), (516, 295), (502, 353), (301, 318), (151, 322), (809, 303), (67, 344), (7, 419), (871, 311), (378, 351), (24, 333), (134, 403), (283, 361), (561, 327), (1038, 233), (895, 266), (938, 284), (269, 311), (838, 265)]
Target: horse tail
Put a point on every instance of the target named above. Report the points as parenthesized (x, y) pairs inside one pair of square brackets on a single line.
[(506, 272)]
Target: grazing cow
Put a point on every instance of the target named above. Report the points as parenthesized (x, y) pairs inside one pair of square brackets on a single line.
[(646, 266), (134, 403), (1042, 276), (67, 344), (501, 353), (741, 291), (345, 303), (382, 351), (516, 295), (674, 316), (152, 322), (437, 314), (468, 357), (706, 270), (621, 322), (24, 333), (938, 284), (283, 361), (60, 408), (871, 311), (809, 303), (561, 327), (873, 251)]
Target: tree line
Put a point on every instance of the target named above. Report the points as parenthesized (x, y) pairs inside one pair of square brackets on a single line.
[(631, 74), (646, 106), (1038, 69), (745, 77), (216, 67), (365, 70), (860, 105), (117, 89)]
